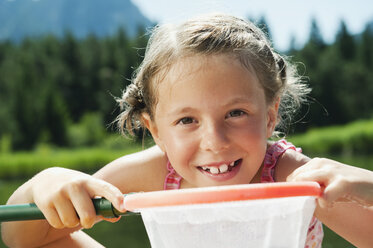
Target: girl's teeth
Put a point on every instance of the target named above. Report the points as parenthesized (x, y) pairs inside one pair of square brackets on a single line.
[(223, 168), (214, 170)]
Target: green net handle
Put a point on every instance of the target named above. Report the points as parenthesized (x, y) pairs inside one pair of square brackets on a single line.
[(30, 211)]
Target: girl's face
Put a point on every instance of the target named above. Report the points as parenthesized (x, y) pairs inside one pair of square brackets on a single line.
[(212, 121)]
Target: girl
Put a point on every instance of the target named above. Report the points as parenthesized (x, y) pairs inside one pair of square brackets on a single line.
[(211, 92)]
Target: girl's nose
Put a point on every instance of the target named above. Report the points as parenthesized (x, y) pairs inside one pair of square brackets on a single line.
[(214, 138)]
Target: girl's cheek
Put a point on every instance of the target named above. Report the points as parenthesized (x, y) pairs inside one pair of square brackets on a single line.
[(181, 146), (184, 141)]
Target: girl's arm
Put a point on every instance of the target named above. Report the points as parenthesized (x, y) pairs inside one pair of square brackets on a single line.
[(61, 193), (346, 205)]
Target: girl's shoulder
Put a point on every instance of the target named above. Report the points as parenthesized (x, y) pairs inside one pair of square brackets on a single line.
[(141, 171), (289, 159)]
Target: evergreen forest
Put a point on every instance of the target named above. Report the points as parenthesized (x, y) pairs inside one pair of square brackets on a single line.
[(53, 88)]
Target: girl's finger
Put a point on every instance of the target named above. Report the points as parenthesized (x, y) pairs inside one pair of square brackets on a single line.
[(324, 203), (84, 208), (99, 187), (66, 212), (334, 191), (53, 218), (112, 220)]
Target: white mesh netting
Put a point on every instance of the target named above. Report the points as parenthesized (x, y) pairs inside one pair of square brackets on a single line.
[(277, 222)]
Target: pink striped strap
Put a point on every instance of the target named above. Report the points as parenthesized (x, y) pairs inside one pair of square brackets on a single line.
[(274, 152), (173, 179)]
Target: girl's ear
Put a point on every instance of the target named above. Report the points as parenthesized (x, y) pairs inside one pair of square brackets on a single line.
[(272, 117), (150, 125)]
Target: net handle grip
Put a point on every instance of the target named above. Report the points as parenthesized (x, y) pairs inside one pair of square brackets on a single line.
[(29, 211)]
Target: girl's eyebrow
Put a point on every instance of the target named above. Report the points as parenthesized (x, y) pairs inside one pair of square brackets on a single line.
[(236, 100), (182, 110)]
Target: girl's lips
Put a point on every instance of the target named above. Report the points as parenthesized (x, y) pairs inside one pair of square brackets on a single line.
[(222, 176)]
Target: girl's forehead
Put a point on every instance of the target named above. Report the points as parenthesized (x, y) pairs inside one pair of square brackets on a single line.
[(191, 66), (205, 76)]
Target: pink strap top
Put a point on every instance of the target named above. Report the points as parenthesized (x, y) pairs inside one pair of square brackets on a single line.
[(274, 152), (173, 179)]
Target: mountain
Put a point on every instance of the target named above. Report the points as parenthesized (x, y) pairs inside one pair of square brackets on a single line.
[(21, 18)]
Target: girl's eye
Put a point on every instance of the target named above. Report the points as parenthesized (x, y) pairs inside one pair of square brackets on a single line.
[(236, 113), (186, 120)]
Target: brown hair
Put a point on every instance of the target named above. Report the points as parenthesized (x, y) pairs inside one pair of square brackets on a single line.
[(206, 35)]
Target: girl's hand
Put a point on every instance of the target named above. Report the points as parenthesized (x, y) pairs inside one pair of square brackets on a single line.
[(65, 197), (341, 182)]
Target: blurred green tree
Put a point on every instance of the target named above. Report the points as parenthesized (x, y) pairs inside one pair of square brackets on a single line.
[(345, 42)]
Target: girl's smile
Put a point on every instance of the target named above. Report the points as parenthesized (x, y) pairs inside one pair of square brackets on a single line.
[(212, 120), (221, 171)]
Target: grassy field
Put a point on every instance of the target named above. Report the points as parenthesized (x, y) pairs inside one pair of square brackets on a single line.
[(20, 165), (355, 138)]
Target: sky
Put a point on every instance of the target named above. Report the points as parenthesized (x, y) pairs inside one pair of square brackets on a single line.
[(286, 18)]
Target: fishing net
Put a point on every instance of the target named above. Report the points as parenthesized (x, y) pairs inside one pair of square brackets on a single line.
[(276, 222)]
